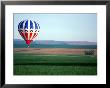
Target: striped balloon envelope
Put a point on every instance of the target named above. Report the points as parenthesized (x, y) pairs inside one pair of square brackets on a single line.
[(28, 29)]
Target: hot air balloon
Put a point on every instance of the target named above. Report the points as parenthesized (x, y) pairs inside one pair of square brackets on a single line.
[(28, 29)]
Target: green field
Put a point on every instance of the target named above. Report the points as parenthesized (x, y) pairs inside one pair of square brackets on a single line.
[(31, 64)]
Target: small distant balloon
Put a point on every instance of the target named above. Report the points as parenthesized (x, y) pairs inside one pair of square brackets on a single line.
[(28, 29)]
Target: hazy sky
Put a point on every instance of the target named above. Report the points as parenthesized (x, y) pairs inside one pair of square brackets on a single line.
[(61, 27)]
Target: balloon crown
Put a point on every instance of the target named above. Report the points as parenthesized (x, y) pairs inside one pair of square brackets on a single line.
[(28, 24)]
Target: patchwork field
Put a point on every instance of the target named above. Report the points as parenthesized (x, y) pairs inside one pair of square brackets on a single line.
[(58, 51), (36, 61)]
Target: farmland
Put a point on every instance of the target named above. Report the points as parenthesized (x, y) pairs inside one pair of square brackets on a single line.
[(36, 62), (53, 51)]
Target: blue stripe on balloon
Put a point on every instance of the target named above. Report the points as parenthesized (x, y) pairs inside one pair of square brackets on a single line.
[(18, 26), (38, 26), (26, 25), (35, 25), (31, 25), (21, 25)]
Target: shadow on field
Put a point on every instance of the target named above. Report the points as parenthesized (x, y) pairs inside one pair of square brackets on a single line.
[(59, 64)]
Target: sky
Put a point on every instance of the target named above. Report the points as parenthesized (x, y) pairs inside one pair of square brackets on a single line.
[(61, 27)]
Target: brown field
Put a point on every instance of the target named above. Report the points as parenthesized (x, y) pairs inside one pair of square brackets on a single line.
[(52, 51)]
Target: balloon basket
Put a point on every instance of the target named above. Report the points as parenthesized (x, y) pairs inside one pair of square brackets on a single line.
[(28, 46)]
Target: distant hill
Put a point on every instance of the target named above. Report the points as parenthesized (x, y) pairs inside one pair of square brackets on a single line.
[(53, 42)]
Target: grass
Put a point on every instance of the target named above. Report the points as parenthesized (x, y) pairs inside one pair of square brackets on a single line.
[(31, 64)]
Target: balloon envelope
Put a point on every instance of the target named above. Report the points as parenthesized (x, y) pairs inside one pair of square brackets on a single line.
[(28, 30)]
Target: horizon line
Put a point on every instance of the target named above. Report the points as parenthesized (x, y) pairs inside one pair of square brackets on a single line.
[(61, 40)]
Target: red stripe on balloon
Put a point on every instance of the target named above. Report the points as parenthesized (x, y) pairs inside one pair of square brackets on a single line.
[(26, 34), (22, 34), (30, 35), (35, 35)]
